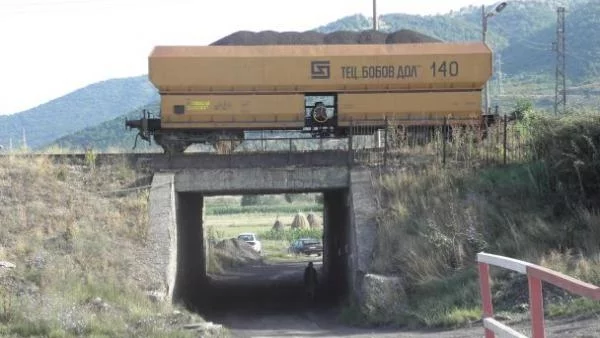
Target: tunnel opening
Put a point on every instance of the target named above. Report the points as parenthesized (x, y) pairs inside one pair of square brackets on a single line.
[(221, 270)]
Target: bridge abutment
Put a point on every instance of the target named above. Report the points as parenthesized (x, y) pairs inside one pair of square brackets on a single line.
[(177, 247)]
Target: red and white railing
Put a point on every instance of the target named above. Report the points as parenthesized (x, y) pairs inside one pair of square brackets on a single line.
[(535, 275)]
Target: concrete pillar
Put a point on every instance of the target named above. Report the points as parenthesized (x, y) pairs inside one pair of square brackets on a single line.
[(364, 226), (160, 252)]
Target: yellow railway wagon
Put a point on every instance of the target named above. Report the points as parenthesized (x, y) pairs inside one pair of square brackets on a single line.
[(287, 111), (211, 92), (319, 68)]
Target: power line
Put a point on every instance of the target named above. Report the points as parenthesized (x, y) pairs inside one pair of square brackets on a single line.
[(560, 92)]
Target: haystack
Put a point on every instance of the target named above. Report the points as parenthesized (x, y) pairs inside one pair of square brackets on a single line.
[(300, 221), (278, 226), (314, 221)]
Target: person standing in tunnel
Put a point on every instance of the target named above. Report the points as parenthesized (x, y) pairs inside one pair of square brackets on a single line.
[(310, 281)]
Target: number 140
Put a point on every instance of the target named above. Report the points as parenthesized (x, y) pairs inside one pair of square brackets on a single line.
[(444, 69)]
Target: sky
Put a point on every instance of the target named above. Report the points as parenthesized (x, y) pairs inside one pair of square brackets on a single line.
[(49, 48)]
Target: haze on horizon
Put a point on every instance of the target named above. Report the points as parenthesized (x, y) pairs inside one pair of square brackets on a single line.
[(53, 47)]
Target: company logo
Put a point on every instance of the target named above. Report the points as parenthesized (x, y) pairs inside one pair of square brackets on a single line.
[(320, 69)]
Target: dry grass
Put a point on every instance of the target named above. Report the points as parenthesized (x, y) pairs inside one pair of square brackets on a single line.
[(73, 234), (435, 219)]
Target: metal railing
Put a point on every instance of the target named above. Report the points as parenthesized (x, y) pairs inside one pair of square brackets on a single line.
[(446, 140), (535, 275)]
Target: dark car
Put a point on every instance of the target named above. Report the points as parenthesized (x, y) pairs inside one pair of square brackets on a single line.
[(306, 246)]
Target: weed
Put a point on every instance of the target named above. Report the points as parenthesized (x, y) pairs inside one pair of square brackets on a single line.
[(435, 219), (76, 249)]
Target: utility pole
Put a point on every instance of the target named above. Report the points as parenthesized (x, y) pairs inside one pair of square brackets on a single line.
[(500, 87), (374, 15), (484, 24), (484, 27), (560, 92), (24, 141)]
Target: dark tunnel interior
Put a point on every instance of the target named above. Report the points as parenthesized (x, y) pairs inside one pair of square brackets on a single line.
[(272, 287)]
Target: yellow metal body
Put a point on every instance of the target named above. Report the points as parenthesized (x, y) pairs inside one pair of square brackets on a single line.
[(264, 86), (286, 110)]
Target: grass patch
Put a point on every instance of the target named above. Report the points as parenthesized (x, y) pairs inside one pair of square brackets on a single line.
[(435, 219), (75, 236), (576, 307), (290, 235), (228, 210), (449, 302)]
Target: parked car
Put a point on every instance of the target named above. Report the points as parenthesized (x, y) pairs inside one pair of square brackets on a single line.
[(306, 246), (251, 239)]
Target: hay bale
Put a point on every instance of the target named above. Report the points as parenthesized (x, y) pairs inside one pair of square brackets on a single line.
[(314, 221), (278, 226), (300, 221)]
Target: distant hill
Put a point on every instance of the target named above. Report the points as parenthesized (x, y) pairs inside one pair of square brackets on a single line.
[(82, 108), (521, 37), (110, 135), (522, 34)]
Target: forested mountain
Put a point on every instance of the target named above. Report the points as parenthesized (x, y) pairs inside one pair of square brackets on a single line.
[(522, 34), (82, 108)]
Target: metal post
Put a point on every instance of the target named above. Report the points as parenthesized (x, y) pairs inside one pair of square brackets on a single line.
[(374, 15), (290, 151), (385, 143), (560, 92), (486, 295), (536, 303), (484, 24), (444, 140), (505, 138), (350, 146)]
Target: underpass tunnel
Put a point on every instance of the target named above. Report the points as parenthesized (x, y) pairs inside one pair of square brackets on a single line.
[(274, 286), (336, 241), (191, 248)]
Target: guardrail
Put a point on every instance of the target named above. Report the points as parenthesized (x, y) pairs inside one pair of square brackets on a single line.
[(535, 275)]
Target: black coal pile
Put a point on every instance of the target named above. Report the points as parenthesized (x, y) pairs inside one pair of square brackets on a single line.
[(247, 38)]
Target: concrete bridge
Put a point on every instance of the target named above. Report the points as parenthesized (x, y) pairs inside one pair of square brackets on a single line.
[(177, 247)]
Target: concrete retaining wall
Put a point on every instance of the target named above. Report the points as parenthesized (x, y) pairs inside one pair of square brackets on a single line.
[(160, 255), (363, 232)]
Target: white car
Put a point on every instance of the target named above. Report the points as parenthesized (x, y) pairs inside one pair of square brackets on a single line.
[(251, 239)]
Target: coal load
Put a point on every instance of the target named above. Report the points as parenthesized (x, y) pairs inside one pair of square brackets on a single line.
[(408, 36), (247, 38)]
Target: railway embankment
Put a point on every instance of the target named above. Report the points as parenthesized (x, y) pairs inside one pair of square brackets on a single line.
[(434, 219)]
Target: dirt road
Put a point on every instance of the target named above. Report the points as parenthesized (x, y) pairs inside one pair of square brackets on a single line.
[(267, 301), (315, 324)]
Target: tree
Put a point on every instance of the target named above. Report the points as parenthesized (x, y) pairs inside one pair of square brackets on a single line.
[(249, 200)]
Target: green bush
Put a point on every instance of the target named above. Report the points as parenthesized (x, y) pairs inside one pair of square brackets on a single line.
[(249, 200), (291, 235)]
